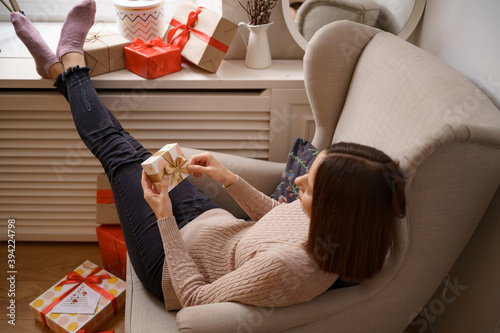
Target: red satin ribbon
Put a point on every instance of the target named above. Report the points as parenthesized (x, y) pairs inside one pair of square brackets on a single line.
[(105, 197), (181, 40), (91, 280)]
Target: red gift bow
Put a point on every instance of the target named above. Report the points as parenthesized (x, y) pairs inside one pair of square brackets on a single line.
[(74, 277), (181, 40), (139, 44), (91, 280)]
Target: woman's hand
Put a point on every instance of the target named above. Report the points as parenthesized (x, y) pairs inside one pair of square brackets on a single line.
[(159, 202), (206, 164)]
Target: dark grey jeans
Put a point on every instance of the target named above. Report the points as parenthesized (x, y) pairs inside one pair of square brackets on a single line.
[(121, 157)]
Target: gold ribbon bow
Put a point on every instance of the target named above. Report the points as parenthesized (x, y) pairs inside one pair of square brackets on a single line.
[(94, 36), (174, 168)]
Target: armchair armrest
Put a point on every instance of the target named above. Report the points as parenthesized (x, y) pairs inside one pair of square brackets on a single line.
[(263, 175)]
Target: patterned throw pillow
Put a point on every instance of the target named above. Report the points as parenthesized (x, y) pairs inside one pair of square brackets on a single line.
[(300, 159)]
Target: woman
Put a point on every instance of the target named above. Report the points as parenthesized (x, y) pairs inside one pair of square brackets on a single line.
[(188, 251)]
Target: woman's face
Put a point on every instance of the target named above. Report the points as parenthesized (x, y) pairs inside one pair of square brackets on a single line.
[(306, 184)]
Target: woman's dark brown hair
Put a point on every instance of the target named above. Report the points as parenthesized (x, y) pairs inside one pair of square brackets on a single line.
[(358, 193)]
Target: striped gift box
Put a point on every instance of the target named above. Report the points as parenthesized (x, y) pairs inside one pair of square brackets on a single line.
[(140, 19)]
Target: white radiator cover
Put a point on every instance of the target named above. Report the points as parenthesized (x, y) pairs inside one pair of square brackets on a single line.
[(48, 176)]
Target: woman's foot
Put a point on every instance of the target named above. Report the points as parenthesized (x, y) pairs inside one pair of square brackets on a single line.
[(76, 26), (30, 36), (73, 59)]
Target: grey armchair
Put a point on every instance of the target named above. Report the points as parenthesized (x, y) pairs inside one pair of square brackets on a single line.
[(369, 87)]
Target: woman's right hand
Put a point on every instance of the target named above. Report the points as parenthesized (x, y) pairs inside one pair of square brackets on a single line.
[(206, 164)]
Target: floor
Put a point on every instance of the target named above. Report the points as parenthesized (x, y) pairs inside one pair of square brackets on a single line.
[(39, 265)]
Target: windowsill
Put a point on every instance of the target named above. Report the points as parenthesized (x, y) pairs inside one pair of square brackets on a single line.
[(17, 70), (20, 73)]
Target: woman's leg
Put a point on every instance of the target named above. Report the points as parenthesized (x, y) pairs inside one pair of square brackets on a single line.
[(60, 85), (97, 129), (121, 161), (120, 156)]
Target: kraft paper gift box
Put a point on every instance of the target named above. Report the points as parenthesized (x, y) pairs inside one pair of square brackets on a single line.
[(105, 203), (113, 249), (170, 161), (86, 283), (152, 59), (203, 35), (104, 52)]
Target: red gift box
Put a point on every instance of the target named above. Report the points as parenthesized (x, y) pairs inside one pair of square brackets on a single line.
[(152, 59), (113, 249)]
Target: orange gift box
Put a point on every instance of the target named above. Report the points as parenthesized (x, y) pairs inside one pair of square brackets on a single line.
[(152, 59), (113, 249)]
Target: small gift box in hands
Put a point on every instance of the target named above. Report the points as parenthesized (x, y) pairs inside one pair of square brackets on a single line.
[(152, 59), (83, 300), (170, 161)]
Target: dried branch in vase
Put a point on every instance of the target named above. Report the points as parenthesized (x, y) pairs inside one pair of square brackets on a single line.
[(258, 11)]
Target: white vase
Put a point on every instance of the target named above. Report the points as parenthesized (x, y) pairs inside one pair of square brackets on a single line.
[(258, 54)]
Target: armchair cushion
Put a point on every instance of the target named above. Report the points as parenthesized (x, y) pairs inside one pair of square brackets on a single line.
[(299, 160)]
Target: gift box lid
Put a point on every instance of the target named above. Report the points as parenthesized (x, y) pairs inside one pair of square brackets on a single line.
[(130, 4)]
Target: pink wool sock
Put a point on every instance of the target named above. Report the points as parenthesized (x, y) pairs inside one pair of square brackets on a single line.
[(76, 26), (30, 36)]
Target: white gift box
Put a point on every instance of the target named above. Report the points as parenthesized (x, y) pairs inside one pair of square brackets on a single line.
[(170, 161)]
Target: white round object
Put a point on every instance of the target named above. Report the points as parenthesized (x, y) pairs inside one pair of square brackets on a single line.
[(140, 19)]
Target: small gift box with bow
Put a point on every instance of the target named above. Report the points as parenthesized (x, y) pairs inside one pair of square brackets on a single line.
[(83, 300), (104, 52), (152, 59), (170, 161), (113, 249), (203, 35)]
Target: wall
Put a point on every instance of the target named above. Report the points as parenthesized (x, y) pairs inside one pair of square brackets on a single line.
[(282, 45), (394, 14), (466, 35)]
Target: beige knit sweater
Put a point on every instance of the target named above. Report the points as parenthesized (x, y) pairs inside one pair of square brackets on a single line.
[(219, 258)]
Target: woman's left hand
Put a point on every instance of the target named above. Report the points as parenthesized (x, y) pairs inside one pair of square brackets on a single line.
[(159, 202)]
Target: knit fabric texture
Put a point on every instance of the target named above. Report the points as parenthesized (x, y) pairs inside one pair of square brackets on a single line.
[(219, 258)]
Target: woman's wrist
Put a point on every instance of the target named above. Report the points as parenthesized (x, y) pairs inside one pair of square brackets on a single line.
[(166, 218), (230, 179)]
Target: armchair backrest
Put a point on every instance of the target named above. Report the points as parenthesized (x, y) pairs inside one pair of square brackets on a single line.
[(370, 87)]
